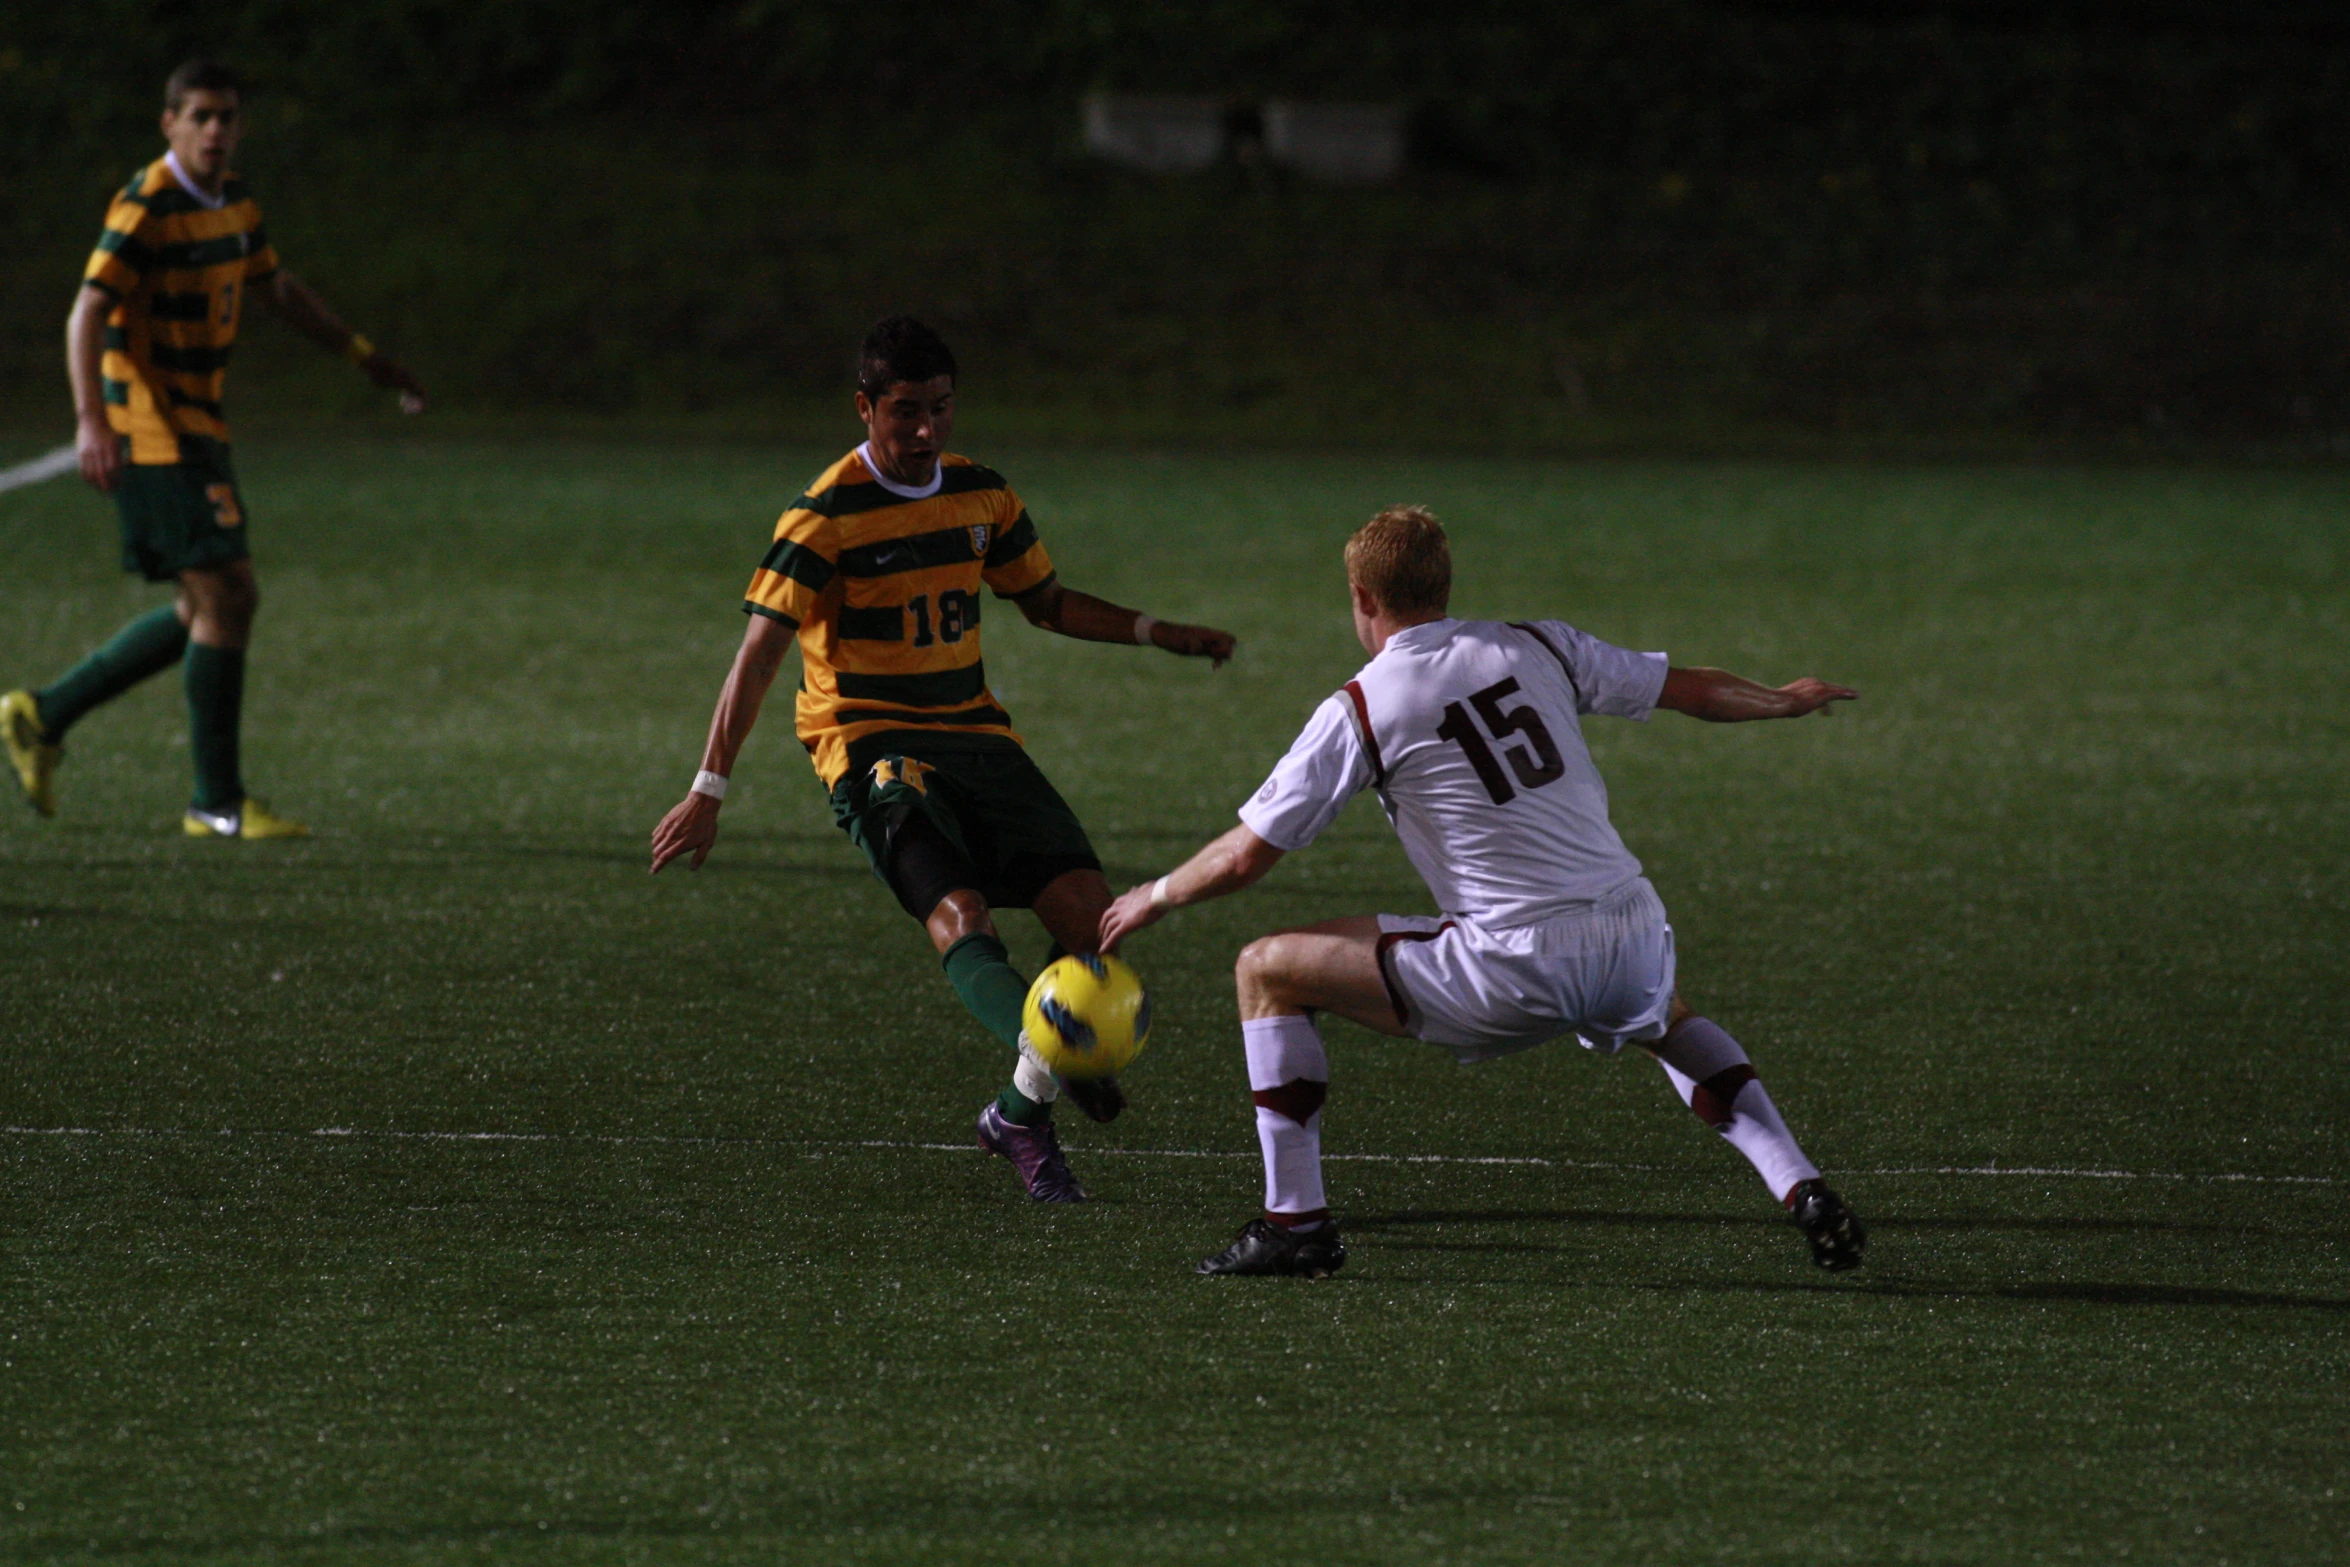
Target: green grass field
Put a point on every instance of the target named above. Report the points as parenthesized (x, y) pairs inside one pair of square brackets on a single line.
[(445, 1189)]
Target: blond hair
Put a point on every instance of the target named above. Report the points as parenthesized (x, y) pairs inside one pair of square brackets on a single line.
[(1402, 559)]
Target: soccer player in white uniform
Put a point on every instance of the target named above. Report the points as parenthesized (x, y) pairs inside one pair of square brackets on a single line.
[(1470, 732)]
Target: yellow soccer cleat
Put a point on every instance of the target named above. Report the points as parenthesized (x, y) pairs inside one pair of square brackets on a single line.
[(249, 818), (29, 750)]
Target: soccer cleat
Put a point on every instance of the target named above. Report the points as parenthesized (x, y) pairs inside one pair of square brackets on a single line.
[(1837, 1240), (1265, 1247), (248, 818), (1099, 1097), (29, 750), (1035, 1151)]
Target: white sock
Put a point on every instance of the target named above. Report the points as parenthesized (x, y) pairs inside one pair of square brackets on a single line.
[(1032, 1077), (1702, 1061), (1289, 1072)]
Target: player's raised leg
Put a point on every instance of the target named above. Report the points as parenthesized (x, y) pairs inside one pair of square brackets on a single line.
[(1016, 1125), (929, 870), (1070, 907), (1283, 979), (1714, 1078)]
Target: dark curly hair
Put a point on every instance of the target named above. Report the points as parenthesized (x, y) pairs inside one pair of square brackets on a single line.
[(901, 349)]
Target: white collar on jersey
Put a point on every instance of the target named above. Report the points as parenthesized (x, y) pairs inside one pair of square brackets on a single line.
[(1424, 631), (938, 476), (204, 198)]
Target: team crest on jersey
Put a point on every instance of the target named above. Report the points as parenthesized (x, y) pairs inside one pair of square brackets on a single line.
[(901, 769), (979, 538)]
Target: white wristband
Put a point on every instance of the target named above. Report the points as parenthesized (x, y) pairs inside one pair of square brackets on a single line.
[(1143, 625), (1159, 893), (710, 783)]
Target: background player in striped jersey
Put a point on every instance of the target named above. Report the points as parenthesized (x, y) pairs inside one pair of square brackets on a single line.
[(1471, 733), (878, 571), (147, 351)]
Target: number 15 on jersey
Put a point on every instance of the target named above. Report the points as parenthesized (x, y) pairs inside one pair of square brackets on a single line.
[(1536, 762)]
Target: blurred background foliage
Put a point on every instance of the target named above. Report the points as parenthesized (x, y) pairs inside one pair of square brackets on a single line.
[(1679, 223)]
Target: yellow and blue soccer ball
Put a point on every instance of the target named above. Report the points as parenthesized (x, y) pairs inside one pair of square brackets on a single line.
[(1087, 1016)]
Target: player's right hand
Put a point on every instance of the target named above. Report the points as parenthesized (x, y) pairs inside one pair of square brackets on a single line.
[(100, 452), (1131, 912), (1195, 642), (690, 827)]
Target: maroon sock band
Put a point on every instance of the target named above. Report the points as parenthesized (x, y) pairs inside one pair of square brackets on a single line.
[(1298, 1099), (1290, 1221), (1717, 1093)]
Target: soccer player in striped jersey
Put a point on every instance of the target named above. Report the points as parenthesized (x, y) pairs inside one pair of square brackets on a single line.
[(1470, 733), (147, 351), (878, 571)]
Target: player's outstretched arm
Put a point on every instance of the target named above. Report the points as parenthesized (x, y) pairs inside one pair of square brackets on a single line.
[(1088, 619), (1720, 697), (1226, 865), (300, 307), (692, 824)]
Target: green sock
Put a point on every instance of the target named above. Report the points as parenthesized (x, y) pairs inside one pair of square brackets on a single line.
[(147, 646), (981, 971), (216, 700), (1017, 1108)]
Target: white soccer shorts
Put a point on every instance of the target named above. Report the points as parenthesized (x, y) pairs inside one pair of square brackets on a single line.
[(1606, 974)]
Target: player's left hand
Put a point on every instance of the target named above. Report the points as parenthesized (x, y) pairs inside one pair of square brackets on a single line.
[(1812, 695), (1131, 912), (393, 376), (1195, 641)]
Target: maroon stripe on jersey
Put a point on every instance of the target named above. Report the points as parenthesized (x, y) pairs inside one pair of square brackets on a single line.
[(1387, 939), (1552, 648), (1354, 689)]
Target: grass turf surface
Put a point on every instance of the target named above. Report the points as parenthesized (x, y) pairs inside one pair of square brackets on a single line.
[(2066, 891)]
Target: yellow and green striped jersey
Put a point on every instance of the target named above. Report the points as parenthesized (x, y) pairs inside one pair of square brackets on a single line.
[(883, 583), (176, 262)]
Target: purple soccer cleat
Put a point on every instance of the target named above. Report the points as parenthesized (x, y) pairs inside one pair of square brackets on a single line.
[(1035, 1151)]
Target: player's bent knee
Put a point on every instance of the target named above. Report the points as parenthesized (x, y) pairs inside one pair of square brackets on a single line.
[(228, 599), (1080, 894), (959, 914), (1270, 967), (1258, 961)]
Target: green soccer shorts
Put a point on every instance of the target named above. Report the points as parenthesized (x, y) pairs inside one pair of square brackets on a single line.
[(935, 818), (182, 516)]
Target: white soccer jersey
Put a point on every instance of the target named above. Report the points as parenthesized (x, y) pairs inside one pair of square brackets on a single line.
[(1470, 732)]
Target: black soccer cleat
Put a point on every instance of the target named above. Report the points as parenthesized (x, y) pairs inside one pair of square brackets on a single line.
[(1265, 1247), (1099, 1097), (1837, 1240)]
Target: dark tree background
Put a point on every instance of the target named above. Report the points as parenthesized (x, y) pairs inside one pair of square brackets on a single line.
[(1665, 222)]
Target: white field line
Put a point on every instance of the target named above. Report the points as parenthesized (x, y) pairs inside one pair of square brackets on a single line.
[(49, 465), (1983, 1171)]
